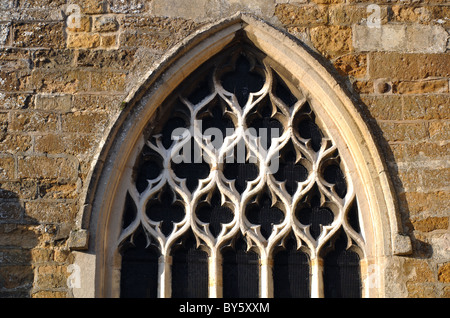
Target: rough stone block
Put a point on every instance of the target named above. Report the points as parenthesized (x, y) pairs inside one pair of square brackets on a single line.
[(47, 35), (51, 211), (81, 24), (332, 41), (418, 271), (108, 81), (353, 14), (260, 7), (404, 131), (51, 276), (84, 122), (115, 59), (407, 66), (108, 41), (436, 179), (51, 58), (197, 10), (78, 240), (7, 168), (426, 107), (425, 202), (83, 40), (444, 273), (363, 87), (420, 87), (439, 131), (56, 81), (33, 121), (22, 236), (16, 277), (10, 210), (73, 144), (96, 102), (53, 102), (293, 15), (39, 167), (37, 4), (49, 294), (9, 101), (425, 150), (55, 190), (328, 1), (420, 290), (9, 81), (14, 143), (128, 7), (156, 41), (430, 224), (105, 24), (352, 65), (4, 33), (385, 107)]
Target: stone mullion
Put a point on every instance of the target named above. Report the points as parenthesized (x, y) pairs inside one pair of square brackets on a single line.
[(266, 277), (215, 284), (317, 277), (165, 276)]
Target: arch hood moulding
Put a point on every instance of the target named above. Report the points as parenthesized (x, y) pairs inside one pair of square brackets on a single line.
[(100, 216)]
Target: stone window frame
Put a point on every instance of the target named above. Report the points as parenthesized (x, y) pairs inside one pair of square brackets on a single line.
[(99, 220)]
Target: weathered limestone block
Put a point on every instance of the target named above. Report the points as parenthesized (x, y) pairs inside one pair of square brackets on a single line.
[(293, 15), (105, 24), (332, 41), (400, 37)]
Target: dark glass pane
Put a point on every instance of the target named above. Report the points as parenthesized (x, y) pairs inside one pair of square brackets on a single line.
[(172, 124), (282, 91), (200, 91), (265, 125), (262, 212), (214, 213), (193, 168), (241, 173), (291, 273), (240, 272), (213, 116), (290, 171), (139, 273), (333, 174), (242, 81), (312, 213), (165, 209), (129, 213), (352, 217), (189, 270), (149, 167), (307, 128), (341, 275)]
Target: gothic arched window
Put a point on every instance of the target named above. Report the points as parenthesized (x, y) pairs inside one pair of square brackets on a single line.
[(239, 191)]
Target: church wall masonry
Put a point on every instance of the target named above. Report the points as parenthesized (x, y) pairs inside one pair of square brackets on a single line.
[(67, 65)]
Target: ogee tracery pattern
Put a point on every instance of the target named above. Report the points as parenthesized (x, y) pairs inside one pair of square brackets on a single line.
[(252, 165)]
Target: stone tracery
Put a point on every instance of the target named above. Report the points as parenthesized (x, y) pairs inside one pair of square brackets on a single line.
[(288, 183)]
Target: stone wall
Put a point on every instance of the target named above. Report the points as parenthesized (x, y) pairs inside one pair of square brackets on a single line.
[(66, 65)]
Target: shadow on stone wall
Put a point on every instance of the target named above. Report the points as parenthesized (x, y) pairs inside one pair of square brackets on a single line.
[(421, 249), (17, 240)]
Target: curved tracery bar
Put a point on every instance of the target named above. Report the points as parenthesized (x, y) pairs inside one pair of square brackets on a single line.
[(238, 155)]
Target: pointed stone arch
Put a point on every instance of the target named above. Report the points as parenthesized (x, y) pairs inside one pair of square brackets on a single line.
[(100, 216)]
